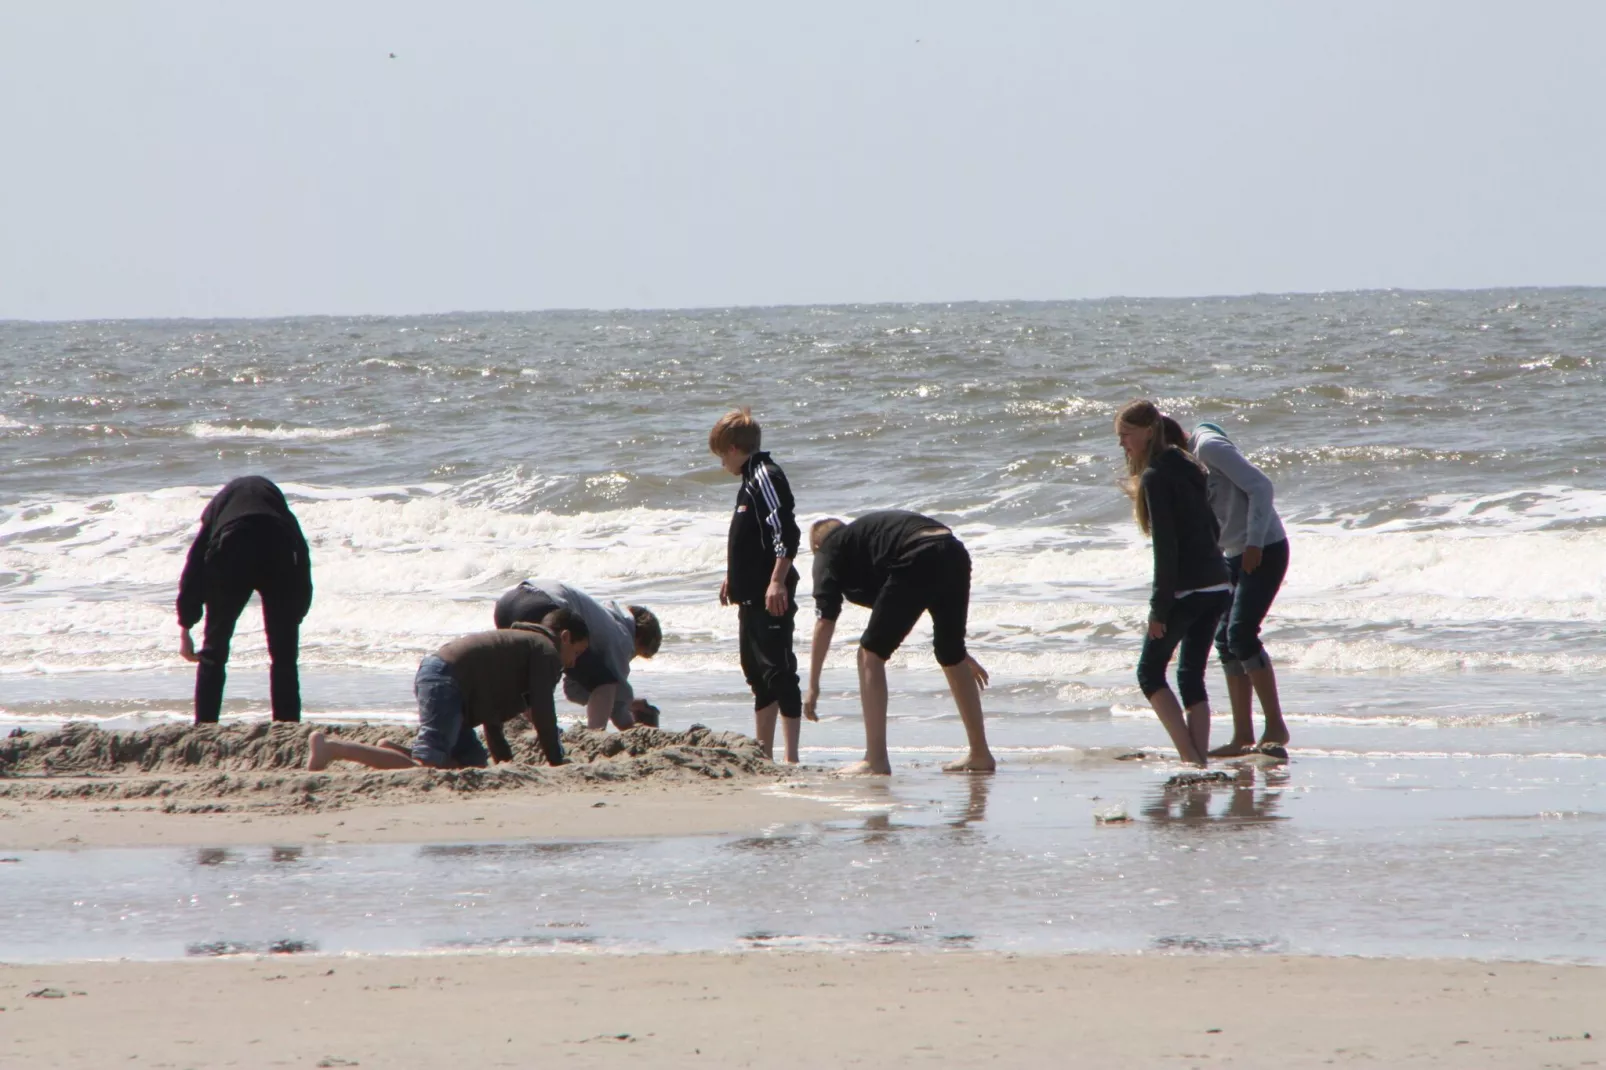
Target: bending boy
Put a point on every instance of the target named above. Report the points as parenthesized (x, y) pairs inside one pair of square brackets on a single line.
[(600, 679), (479, 680), (900, 564), (249, 541), (759, 578)]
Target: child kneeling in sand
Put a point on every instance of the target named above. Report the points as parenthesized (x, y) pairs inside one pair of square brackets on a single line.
[(482, 679)]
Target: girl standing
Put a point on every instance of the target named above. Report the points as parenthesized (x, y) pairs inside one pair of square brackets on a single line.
[(1191, 588), (1256, 546)]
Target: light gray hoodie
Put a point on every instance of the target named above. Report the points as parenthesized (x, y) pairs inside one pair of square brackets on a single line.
[(1240, 494), (613, 642)]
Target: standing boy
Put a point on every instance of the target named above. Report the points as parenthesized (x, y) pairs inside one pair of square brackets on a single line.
[(479, 680), (759, 578), (900, 564), (249, 542)]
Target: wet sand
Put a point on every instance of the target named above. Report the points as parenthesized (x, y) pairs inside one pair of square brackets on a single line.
[(751, 1009)]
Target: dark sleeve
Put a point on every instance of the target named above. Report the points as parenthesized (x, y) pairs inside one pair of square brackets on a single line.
[(496, 741), (192, 582), (778, 522), (1163, 530), (303, 568), (542, 712), (827, 588)]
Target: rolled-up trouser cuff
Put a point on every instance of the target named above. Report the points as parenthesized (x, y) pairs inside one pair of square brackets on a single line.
[(1254, 663)]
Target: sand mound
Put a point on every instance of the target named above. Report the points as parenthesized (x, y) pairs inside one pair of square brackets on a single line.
[(243, 766)]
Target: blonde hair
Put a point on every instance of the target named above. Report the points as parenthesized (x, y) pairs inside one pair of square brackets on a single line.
[(821, 530), (1165, 434), (736, 428)]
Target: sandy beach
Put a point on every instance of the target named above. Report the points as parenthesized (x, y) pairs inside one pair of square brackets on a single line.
[(749, 1010)]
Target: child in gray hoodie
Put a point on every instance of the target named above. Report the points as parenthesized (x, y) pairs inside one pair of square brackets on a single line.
[(1256, 548)]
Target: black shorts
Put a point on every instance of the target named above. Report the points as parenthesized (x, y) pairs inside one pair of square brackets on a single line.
[(933, 575), (768, 661)]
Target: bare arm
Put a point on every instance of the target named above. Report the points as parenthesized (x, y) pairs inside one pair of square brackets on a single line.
[(823, 630), (496, 742)]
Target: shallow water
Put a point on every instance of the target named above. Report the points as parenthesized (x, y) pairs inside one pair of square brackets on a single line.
[(1341, 853)]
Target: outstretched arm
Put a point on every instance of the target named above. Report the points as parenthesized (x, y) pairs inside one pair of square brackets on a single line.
[(823, 630)]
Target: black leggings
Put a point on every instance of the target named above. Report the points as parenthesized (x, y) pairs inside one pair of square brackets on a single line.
[(1192, 624), (259, 558)]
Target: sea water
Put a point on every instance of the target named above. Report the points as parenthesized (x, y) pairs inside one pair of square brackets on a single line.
[(1437, 463)]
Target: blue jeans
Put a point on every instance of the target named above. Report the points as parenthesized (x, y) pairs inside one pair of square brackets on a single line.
[(443, 737), (1238, 637), (1190, 623)]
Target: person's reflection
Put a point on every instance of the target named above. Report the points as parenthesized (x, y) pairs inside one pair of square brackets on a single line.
[(975, 803), (878, 828), (212, 856), (286, 854), (1253, 800)]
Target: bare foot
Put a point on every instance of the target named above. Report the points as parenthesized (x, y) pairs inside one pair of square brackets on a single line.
[(317, 751), (972, 764), (1235, 749), (863, 769)]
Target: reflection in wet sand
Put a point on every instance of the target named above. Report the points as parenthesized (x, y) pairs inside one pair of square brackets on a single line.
[(1253, 796)]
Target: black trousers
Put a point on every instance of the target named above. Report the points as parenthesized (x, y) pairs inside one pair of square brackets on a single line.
[(768, 661), (261, 558)]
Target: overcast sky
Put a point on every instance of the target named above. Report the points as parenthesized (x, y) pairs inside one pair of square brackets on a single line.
[(249, 159)]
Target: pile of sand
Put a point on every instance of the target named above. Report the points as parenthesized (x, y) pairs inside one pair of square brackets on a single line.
[(263, 765)]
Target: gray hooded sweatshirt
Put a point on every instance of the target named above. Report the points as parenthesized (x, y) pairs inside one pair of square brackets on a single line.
[(1240, 494)]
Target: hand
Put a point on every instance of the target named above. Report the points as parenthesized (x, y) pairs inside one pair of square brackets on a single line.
[(1251, 558), (811, 699), (186, 647), (1157, 629), (775, 599), (982, 679), (725, 592)]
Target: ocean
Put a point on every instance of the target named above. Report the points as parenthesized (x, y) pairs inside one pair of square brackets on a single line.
[(1436, 458)]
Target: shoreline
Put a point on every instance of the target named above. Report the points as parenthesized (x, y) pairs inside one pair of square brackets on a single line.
[(736, 1009)]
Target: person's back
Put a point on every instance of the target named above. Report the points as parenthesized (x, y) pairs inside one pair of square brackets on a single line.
[(854, 560), (1241, 497), (500, 671)]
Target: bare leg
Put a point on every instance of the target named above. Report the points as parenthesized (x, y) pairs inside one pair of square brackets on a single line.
[(1169, 710), (1199, 727), (793, 728), (1265, 684), (399, 748), (321, 750), (962, 681), (1243, 718), (873, 701), (764, 728)]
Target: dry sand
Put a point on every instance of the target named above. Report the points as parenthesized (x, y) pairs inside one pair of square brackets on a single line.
[(803, 1010), (242, 784)]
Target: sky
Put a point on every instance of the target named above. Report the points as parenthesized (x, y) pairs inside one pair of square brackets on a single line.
[(201, 159)]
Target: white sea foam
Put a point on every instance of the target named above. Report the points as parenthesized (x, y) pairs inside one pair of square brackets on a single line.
[(400, 569), (280, 433)]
